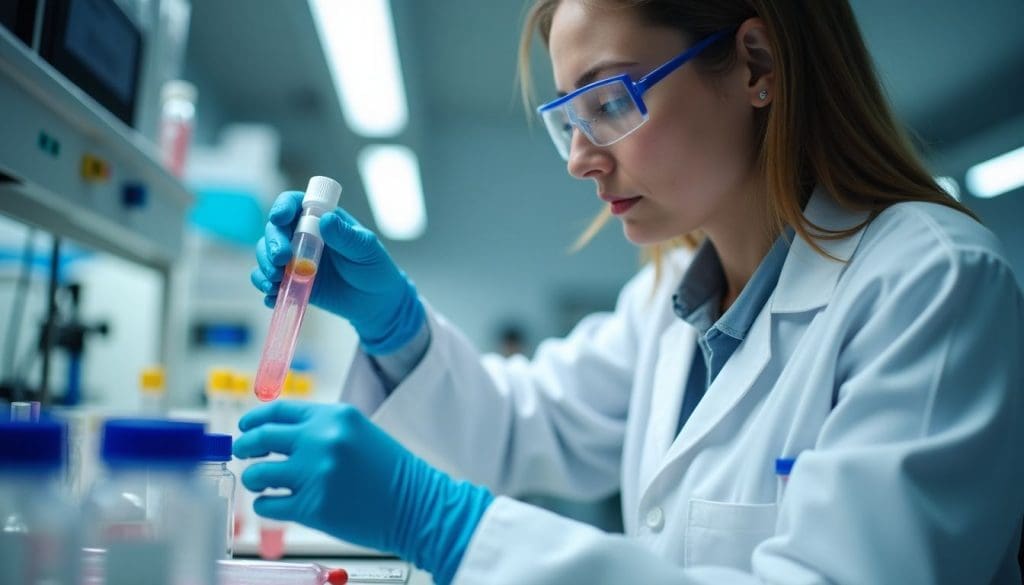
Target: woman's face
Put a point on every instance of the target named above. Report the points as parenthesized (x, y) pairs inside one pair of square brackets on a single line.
[(690, 165)]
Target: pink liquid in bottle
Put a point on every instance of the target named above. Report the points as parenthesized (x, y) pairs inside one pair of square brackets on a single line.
[(279, 348)]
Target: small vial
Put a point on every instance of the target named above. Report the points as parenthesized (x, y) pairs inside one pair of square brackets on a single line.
[(176, 118), (219, 383), (21, 412), (783, 466), (272, 532), (213, 470), (152, 392), (293, 297), (271, 539)]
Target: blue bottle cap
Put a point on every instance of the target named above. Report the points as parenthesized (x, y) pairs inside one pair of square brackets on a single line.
[(32, 445), (141, 442), (783, 465), (216, 447)]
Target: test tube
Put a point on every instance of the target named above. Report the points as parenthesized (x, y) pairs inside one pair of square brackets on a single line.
[(237, 572), (321, 196), (271, 573)]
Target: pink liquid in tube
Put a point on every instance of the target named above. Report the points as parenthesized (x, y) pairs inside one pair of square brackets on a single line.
[(293, 296), (279, 348)]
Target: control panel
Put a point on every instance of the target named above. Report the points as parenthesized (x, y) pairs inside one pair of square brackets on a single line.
[(70, 166)]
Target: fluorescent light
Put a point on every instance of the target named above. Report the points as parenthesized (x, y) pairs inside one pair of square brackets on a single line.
[(391, 176), (358, 38), (949, 185), (997, 176)]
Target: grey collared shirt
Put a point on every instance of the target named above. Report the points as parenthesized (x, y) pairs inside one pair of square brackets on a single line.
[(697, 301)]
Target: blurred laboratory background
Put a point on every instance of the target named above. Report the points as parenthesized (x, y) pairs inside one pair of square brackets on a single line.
[(144, 141)]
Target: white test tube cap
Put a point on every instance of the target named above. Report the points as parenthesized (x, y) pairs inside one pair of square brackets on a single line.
[(322, 192)]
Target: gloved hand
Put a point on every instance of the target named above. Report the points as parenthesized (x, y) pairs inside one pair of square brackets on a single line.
[(348, 478), (356, 279)]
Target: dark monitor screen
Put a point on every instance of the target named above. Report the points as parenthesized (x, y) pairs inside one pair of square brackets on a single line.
[(95, 45), (105, 42), (18, 16)]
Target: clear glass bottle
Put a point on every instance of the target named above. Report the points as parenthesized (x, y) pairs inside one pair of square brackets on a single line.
[(240, 401), (149, 513), (214, 472), (39, 528)]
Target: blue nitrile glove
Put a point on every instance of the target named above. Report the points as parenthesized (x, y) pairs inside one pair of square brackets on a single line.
[(348, 478), (356, 280)]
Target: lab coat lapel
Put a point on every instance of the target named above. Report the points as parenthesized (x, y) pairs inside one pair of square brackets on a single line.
[(808, 278), (731, 384), (806, 283), (675, 354)]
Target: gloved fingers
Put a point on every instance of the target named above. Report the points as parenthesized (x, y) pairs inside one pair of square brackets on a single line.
[(271, 270), (279, 411), (275, 507), (261, 282), (286, 207), (269, 475), (352, 241), (277, 246), (347, 217), (266, 439)]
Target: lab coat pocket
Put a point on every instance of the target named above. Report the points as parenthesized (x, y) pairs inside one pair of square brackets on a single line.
[(725, 534)]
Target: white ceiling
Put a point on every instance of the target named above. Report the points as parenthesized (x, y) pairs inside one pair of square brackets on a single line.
[(952, 68)]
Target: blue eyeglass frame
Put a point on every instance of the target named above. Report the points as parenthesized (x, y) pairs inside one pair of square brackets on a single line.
[(638, 88)]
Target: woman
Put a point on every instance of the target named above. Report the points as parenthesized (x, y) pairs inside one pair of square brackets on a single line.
[(826, 389)]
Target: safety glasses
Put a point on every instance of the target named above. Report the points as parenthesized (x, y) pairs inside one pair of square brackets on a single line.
[(608, 110)]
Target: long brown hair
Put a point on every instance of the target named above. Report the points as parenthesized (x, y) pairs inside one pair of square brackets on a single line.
[(829, 123)]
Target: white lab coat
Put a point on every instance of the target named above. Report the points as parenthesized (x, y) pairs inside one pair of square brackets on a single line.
[(895, 379)]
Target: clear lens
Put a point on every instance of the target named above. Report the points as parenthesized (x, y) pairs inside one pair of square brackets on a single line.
[(557, 122), (605, 114)]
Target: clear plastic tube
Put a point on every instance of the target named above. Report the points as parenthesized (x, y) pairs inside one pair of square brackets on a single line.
[(292, 301), (239, 572), (270, 573), (293, 296)]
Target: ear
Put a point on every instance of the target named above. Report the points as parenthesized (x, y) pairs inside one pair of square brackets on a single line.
[(754, 51)]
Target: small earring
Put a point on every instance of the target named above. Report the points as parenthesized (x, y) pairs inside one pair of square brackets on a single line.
[(763, 94)]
